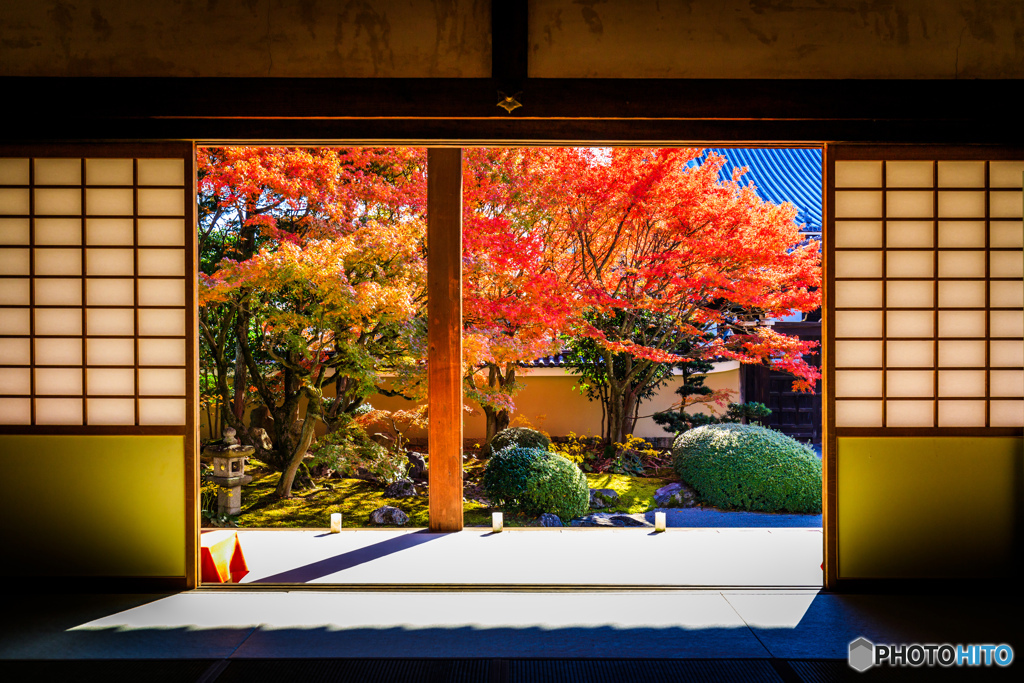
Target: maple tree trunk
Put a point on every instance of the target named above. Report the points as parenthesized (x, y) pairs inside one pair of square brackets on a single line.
[(497, 420), (313, 413)]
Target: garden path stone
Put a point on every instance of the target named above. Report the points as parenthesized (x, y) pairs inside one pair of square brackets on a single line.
[(388, 515), (548, 519), (403, 488), (675, 495), (602, 498)]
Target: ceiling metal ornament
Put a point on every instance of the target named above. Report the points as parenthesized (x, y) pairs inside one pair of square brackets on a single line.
[(509, 102)]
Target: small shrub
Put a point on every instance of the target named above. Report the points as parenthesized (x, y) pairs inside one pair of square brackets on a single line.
[(749, 467), (515, 436), (535, 481)]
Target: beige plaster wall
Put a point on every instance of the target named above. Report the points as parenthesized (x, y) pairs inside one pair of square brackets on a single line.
[(777, 39), (294, 38)]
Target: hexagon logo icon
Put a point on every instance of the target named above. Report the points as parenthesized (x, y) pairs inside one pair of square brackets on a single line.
[(862, 654)]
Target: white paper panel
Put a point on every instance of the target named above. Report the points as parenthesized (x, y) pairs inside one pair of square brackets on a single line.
[(161, 262), (961, 323), (109, 292), (961, 264), (953, 234), (58, 321), (961, 413), (909, 324), (16, 381), (900, 204), (1007, 383), (909, 414), (109, 262), (1006, 204), (162, 411), (58, 231), (161, 292), (66, 351), (161, 202), (109, 231), (58, 202), (850, 204), (58, 292), (858, 173), (910, 294), (968, 204), (961, 174), (1005, 173), (162, 322), (909, 174), (909, 354), (161, 232), (58, 171), (14, 261), (109, 172), (1008, 234), (110, 351), (110, 321), (1006, 294), (161, 382), (15, 411), (58, 381), (961, 294), (58, 411), (109, 202), (961, 354), (962, 383), (1006, 413), (15, 321), (58, 261), (858, 264), (161, 172), (910, 264), (909, 234), (1006, 353), (858, 413), (13, 171), (1006, 324), (15, 292), (858, 294), (111, 411), (858, 323), (912, 383), (14, 201), (858, 354), (858, 234), (16, 351), (162, 351), (14, 231), (1006, 264), (111, 382), (864, 383)]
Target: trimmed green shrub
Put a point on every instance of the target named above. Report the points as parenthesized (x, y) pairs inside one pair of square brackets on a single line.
[(515, 436), (534, 481), (749, 467)]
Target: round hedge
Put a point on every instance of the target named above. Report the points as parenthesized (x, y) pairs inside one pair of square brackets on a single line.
[(516, 436), (535, 481), (749, 467)]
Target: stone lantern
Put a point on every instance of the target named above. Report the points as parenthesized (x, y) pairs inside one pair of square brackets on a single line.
[(228, 458)]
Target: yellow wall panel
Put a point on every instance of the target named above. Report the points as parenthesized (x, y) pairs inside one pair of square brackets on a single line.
[(928, 507), (93, 505)]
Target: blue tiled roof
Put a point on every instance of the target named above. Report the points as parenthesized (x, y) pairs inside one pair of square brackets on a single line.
[(781, 175)]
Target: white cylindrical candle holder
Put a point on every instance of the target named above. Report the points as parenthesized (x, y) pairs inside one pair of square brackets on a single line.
[(335, 522), (659, 521), (497, 522)]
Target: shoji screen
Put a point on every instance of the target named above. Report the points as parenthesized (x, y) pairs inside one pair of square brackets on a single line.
[(97, 349), (924, 359)]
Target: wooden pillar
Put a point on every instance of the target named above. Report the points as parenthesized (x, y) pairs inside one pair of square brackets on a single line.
[(444, 331)]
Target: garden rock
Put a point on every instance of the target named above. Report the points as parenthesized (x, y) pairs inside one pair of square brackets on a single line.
[(388, 515), (403, 488), (676, 495), (548, 519), (261, 439), (602, 498), (599, 519), (417, 465)]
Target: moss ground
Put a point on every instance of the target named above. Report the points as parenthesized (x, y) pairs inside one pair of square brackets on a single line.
[(355, 499)]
